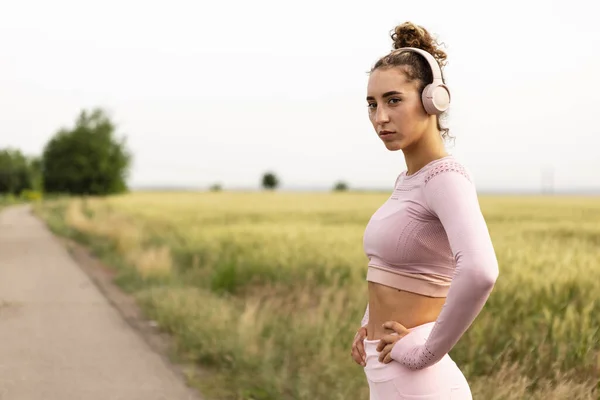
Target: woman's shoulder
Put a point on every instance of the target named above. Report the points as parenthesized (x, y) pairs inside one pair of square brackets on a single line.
[(448, 184), (448, 167)]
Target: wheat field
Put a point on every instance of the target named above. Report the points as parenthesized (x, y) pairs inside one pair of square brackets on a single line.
[(265, 290)]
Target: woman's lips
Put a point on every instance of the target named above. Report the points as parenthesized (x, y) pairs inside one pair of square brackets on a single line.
[(385, 134)]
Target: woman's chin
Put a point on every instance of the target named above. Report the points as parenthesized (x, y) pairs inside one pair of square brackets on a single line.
[(393, 145)]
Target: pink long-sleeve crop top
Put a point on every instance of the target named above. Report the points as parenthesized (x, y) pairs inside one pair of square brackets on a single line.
[(430, 237)]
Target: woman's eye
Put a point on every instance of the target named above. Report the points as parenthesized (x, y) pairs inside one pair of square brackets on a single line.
[(371, 105), (394, 101)]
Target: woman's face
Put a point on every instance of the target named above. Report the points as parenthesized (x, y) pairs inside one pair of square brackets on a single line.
[(395, 108)]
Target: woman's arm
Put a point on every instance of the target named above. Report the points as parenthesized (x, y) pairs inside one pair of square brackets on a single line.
[(451, 196)]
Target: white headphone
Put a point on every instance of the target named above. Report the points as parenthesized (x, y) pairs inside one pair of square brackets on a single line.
[(436, 95)]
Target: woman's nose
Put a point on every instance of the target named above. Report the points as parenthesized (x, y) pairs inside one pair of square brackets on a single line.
[(381, 115)]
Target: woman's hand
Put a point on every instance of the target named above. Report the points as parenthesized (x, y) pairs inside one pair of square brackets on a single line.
[(388, 341), (358, 348)]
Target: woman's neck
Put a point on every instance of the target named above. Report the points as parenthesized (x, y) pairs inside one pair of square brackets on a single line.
[(429, 148)]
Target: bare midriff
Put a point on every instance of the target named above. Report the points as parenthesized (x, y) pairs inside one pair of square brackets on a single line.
[(390, 304)]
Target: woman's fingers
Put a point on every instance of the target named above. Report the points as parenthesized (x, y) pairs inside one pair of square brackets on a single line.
[(383, 355), (386, 343), (361, 344), (358, 348), (385, 340), (356, 353), (361, 351), (396, 327)]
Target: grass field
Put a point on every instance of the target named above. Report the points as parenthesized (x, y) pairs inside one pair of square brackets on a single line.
[(266, 290)]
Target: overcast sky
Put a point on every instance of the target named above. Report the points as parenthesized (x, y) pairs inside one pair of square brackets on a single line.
[(222, 91)]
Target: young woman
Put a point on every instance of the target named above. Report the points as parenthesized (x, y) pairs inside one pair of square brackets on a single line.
[(432, 265)]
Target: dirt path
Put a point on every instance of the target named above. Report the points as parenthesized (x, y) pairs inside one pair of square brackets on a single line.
[(60, 339)]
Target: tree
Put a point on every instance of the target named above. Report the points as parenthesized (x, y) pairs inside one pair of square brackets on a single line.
[(270, 181), (216, 187), (17, 172), (87, 159), (340, 187)]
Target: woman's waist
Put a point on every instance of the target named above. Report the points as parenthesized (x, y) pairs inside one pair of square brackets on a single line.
[(409, 309)]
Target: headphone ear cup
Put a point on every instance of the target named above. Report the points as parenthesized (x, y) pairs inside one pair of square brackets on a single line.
[(436, 98)]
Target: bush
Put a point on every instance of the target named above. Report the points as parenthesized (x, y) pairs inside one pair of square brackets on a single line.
[(31, 195)]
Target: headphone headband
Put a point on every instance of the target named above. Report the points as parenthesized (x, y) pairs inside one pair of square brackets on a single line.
[(433, 65)]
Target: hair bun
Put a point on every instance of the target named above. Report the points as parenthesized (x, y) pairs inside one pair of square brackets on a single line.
[(409, 34)]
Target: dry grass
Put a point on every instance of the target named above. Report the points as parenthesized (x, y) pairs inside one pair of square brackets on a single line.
[(267, 289)]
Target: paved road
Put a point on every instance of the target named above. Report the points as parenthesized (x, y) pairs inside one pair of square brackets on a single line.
[(59, 337)]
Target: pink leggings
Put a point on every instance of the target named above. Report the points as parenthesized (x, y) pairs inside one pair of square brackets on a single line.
[(442, 381)]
